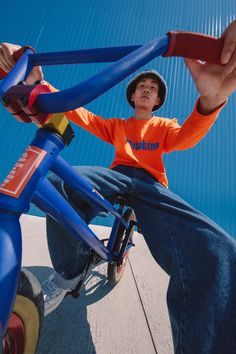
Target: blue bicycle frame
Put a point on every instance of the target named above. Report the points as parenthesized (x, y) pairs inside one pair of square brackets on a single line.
[(42, 155), (27, 181)]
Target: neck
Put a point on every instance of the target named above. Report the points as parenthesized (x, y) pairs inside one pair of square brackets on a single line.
[(142, 114)]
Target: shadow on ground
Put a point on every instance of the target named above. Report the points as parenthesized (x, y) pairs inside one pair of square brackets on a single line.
[(67, 330)]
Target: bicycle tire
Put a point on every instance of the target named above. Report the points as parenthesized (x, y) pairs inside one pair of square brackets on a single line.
[(24, 326), (115, 271)]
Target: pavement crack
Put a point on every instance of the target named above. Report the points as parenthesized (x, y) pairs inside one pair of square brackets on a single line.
[(142, 304)]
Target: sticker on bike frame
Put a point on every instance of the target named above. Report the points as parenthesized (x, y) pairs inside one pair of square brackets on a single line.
[(20, 174)]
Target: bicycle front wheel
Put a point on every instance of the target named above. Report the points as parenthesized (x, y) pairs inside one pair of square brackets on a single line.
[(25, 322)]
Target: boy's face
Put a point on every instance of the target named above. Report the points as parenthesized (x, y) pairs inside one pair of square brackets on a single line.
[(146, 94)]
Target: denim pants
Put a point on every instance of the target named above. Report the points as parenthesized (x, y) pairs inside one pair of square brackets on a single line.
[(197, 254)]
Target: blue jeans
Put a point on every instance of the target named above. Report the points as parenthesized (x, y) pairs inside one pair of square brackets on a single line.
[(198, 255)]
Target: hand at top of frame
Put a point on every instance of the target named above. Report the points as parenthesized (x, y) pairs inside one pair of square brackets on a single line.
[(7, 62), (216, 83)]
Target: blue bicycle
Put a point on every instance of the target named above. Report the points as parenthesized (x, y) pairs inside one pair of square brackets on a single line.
[(21, 306)]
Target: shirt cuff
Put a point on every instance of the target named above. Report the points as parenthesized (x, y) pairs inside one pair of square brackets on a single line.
[(200, 120)]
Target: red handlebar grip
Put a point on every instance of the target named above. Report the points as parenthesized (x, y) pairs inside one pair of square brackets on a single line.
[(196, 46), (16, 56)]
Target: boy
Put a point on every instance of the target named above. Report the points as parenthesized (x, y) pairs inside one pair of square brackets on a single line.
[(198, 256)]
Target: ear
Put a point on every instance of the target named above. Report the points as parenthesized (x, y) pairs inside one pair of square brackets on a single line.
[(158, 100), (132, 97)]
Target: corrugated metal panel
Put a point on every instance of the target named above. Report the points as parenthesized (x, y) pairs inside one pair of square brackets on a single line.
[(204, 175)]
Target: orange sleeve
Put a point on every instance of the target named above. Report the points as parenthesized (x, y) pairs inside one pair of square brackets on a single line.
[(100, 127), (195, 127)]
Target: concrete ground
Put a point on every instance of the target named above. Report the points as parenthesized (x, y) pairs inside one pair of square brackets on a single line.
[(129, 318)]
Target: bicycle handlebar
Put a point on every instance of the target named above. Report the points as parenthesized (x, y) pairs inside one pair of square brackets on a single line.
[(196, 46), (128, 59)]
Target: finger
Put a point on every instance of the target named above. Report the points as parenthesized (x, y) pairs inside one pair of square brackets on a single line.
[(8, 55), (229, 47), (3, 64), (42, 75), (231, 65), (36, 74), (8, 51), (40, 72)]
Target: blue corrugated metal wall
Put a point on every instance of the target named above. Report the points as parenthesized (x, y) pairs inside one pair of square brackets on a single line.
[(204, 175)]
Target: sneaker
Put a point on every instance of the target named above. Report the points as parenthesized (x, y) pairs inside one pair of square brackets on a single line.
[(55, 289)]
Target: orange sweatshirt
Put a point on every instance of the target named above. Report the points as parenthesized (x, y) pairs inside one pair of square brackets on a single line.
[(141, 143)]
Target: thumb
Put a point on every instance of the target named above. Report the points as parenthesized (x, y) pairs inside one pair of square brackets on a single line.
[(194, 66)]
